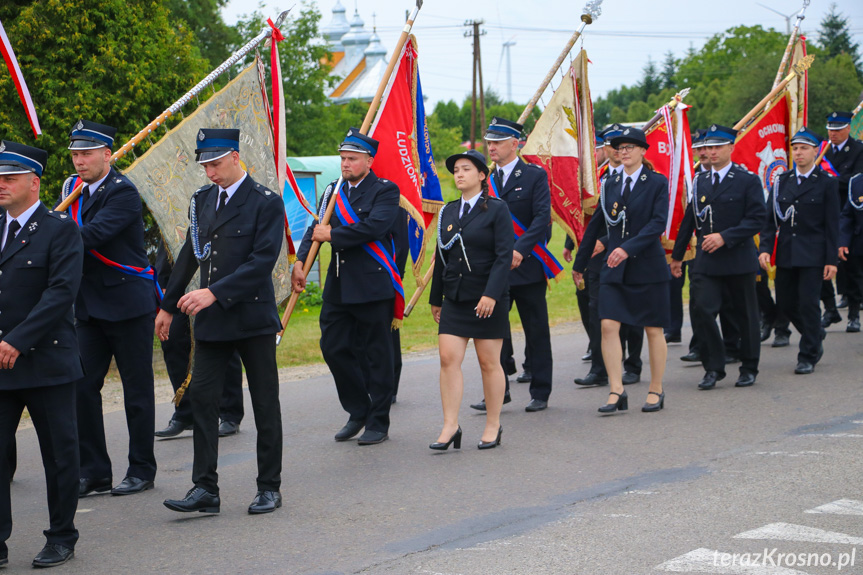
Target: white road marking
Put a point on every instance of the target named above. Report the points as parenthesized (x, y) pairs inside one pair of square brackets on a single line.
[(840, 507), (791, 532), (711, 561)]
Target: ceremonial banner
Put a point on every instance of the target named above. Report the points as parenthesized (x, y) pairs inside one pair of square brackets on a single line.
[(404, 155), (857, 125), (762, 146), (670, 153), (167, 174), (18, 80), (562, 137), (798, 92)]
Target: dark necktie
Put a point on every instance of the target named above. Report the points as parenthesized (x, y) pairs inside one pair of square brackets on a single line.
[(500, 177), (800, 180), (85, 193), (835, 149), (464, 211), (223, 199), (715, 180), (627, 189), (14, 226)]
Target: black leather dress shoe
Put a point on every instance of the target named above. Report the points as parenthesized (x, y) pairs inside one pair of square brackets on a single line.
[(131, 485), (672, 338), (592, 379), (370, 437), (781, 340), (630, 377), (745, 380), (351, 429), (732, 359), (52, 555), (536, 405), (709, 380), (588, 355), (197, 499), (174, 429), (227, 428), (843, 302), (830, 317), (524, 377), (265, 502), (692, 356), (481, 405), (853, 325), (89, 486), (766, 329), (804, 368)]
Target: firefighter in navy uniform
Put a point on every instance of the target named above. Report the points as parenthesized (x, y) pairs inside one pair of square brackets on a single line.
[(804, 211), (845, 154), (41, 255), (114, 312), (359, 297), (234, 239), (851, 245), (524, 187), (726, 212)]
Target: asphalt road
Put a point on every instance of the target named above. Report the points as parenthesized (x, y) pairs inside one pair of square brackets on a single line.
[(776, 467)]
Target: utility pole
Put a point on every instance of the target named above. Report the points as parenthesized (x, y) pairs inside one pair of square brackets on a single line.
[(475, 32), (506, 46)]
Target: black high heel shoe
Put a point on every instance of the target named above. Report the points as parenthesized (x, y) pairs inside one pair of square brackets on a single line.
[(455, 440), (489, 444), (621, 404), (651, 407)]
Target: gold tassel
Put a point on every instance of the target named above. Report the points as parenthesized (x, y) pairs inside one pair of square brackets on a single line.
[(292, 259), (178, 397), (397, 324)]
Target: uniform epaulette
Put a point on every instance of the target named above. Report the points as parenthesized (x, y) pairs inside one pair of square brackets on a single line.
[(58, 215), (202, 188), (263, 190)]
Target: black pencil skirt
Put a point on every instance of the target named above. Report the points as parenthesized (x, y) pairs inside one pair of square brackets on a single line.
[(459, 318), (642, 305)]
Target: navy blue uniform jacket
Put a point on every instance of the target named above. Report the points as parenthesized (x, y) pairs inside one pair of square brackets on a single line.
[(354, 276), (113, 226), (646, 216), (488, 242), (814, 239), (739, 214), (246, 236), (848, 161), (851, 220), (527, 195), (40, 272)]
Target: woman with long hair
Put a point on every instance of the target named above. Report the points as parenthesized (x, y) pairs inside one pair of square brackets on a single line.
[(469, 294), (632, 213)]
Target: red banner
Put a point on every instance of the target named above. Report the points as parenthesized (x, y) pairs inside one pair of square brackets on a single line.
[(762, 147)]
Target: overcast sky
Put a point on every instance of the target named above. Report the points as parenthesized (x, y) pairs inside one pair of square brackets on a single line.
[(618, 43)]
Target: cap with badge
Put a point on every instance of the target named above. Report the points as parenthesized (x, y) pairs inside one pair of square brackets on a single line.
[(717, 135), (630, 136), (87, 135), (477, 158), (806, 136), (611, 131), (20, 159), (501, 129), (698, 139), (599, 142), (839, 120), (357, 142), (215, 143)]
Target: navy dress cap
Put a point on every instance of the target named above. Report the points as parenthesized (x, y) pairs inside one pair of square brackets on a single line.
[(839, 120), (17, 158), (806, 136), (215, 143), (357, 142), (87, 135), (698, 139), (501, 129), (717, 135), (477, 158), (630, 136), (599, 141), (611, 131)]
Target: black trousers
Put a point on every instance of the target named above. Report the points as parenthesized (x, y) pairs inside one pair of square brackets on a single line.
[(770, 312), (176, 350), (366, 394), (797, 295), (854, 267), (52, 410), (582, 298), (130, 343), (676, 291), (631, 337), (397, 360), (709, 294), (208, 381), (533, 311), (730, 331)]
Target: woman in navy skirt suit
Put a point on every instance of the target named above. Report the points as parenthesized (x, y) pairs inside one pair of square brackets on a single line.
[(469, 294), (632, 214)]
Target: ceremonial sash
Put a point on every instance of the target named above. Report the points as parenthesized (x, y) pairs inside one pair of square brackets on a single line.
[(376, 249), (147, 273), (826, 164), (550, 265)]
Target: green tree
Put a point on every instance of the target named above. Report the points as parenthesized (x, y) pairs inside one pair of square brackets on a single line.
[(833, 85), (669, 70), (446, 141), (215, 39), (448, 115), (651, 81), (835, 37), (117, 62)]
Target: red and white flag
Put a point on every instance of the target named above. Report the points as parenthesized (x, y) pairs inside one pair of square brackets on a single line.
[(762, 146), (18, 80)]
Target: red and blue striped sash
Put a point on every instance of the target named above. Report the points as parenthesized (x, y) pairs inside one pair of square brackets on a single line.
[(550, 265), (826, 164), (376, 249), (147, 273)]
